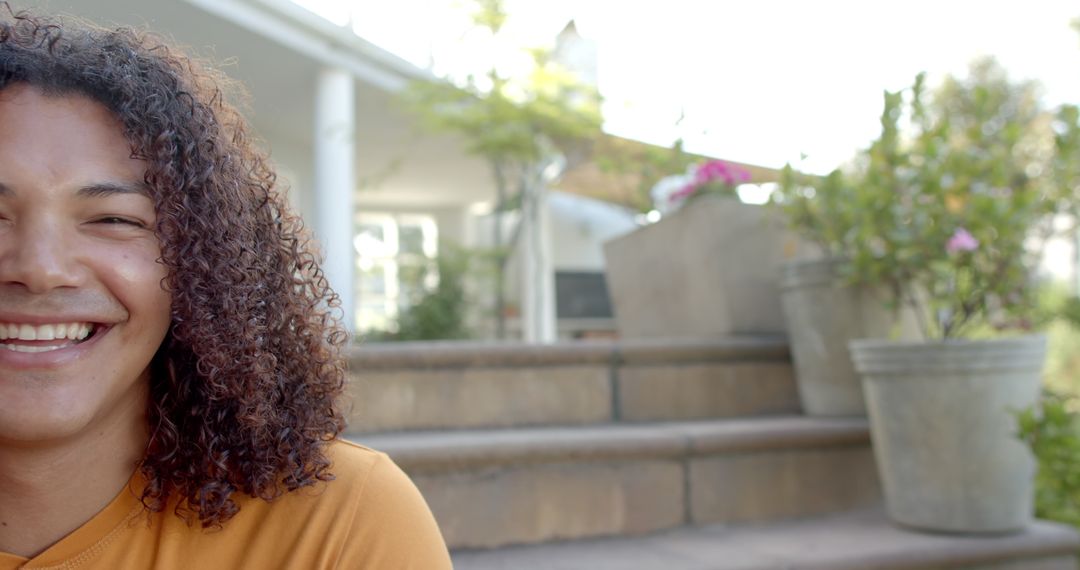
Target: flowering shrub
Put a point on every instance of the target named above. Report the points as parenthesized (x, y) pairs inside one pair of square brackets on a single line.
[(710, 177), (944, 206), (962, 241)]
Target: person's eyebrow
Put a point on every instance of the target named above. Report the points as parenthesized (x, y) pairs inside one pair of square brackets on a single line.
[(99, 189), (102, 189)]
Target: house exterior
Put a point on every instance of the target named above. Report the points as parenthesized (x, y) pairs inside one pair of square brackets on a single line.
[(322, 101), (379, 191)]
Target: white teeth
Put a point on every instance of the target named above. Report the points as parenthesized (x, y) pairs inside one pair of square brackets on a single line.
[(73, 331), (24, 348), (46, 332)]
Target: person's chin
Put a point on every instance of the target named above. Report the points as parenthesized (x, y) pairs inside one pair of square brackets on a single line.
[(54, 406), (41, 424)]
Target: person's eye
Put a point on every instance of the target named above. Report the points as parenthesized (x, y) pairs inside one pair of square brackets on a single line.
[(120, 221)]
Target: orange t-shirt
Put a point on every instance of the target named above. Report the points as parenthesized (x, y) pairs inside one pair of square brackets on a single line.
[(370, 516)]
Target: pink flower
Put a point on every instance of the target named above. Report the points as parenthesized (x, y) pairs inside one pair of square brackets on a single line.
[(962, 240), (741, 174), (708, 176), (718, 170)]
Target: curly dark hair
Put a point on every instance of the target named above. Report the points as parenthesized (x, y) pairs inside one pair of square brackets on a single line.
[(244, 388)]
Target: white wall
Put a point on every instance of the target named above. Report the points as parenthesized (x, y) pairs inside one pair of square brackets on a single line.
[(293, 164), (579, 228)]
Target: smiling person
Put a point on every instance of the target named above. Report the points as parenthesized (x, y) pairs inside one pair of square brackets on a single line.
[(169, 367)]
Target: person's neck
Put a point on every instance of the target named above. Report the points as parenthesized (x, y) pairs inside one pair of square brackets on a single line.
[(48, 491)]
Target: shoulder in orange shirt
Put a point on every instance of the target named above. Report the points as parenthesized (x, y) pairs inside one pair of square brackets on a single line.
[(369, 516)]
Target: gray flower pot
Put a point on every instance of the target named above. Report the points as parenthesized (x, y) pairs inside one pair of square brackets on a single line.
[(708, 270), (822, 316), (944, 433)]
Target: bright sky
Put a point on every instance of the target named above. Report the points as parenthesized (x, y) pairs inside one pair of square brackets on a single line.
[(759, 81)]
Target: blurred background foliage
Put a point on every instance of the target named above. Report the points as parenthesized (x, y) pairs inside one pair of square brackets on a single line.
[(439, 313), (978, 157)]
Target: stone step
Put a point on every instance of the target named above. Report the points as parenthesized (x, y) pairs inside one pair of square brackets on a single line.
[(860, 540), (490, 488), (455, 385)]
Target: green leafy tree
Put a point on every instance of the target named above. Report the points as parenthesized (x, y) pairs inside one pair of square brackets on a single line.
[(529, 129)]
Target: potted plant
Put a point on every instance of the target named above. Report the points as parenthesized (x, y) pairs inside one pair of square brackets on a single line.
[(958, 198), (716, 255), (824, 304)]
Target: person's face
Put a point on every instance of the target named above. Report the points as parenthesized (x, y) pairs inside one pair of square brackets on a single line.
[(82, 306)]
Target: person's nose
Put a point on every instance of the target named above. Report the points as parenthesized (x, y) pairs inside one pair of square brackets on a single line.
[(38, 255)]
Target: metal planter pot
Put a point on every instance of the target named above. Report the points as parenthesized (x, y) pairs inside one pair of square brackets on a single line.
[(823, 315), (941, 416)]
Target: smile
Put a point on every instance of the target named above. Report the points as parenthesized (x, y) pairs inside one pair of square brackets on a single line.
[(23, 337)]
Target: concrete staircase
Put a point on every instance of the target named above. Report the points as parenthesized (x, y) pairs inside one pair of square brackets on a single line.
[(686, 454)]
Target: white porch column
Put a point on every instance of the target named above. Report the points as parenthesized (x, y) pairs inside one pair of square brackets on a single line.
[(538, 283), (335, 133)]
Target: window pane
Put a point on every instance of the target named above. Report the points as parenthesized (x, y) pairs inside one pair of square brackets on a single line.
[(411, 240), (371, 241), (373, 279)]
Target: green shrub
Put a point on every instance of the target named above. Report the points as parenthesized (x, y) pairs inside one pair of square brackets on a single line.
[(1052, 431), (1057, 316), (439, 314), (1052, 428)]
